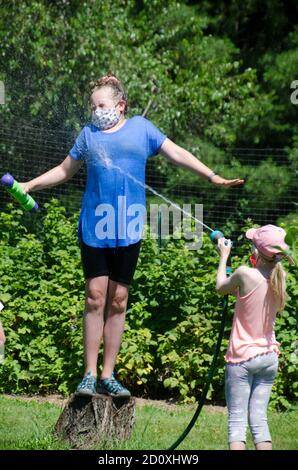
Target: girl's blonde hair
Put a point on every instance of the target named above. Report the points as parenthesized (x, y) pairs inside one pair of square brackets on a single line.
[(112, 82), (278, 279)]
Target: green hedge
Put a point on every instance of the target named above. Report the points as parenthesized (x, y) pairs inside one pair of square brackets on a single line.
[(172, 319)]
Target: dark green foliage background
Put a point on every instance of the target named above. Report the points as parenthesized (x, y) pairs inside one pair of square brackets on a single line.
[(223, 70)]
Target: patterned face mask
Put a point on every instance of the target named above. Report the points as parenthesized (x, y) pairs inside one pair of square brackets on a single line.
[(105, 118)]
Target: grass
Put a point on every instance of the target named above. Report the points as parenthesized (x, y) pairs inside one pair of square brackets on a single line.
[(28, 425)]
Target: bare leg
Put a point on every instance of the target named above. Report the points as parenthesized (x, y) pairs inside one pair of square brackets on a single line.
[(2, 334), (267, 445), (237, 445), (96, 292), (114, 325)]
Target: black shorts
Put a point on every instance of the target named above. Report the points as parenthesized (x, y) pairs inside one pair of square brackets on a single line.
[(117, 263)]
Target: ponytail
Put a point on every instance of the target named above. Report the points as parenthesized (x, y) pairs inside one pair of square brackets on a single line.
[(278, 284)]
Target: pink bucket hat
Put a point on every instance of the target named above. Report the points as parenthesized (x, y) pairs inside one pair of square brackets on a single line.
[(266, 238)]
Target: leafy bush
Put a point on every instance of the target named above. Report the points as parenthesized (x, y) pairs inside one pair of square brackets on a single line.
[(42, 288), (172, 320)]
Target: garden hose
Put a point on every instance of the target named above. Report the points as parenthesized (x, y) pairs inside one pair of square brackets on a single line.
[(215, 235), (209, 378)]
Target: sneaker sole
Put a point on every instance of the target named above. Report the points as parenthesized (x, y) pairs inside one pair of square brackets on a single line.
[(82, 393), (114, 395)]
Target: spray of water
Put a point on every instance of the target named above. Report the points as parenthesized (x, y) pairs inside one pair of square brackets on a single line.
[(106, 161)]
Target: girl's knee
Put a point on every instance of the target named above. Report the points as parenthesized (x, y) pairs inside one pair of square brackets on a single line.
[(118, 304), (95, 301)]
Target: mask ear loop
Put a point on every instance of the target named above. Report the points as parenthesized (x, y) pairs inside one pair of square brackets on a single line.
[(122, 113)]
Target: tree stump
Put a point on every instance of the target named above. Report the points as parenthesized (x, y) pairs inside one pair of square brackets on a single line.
[(86, 420)]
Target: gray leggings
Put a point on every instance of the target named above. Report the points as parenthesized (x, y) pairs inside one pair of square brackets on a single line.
[(248, 386)]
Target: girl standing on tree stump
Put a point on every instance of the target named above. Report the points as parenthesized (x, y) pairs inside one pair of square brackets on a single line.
[(113, 147)]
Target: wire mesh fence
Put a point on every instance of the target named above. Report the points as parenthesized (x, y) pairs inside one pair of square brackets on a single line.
[(27, 152)]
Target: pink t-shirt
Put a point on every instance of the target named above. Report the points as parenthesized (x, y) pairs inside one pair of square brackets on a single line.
[(253, 324)]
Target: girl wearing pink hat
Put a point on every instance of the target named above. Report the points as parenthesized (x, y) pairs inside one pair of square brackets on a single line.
[(252, 355)]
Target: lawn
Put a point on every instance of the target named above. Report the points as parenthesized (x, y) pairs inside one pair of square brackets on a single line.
[(28, 425)]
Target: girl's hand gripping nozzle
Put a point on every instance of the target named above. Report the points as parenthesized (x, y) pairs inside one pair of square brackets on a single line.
[(214, 236)]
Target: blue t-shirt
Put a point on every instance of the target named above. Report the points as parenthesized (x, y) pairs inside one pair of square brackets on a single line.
[(113, 210)]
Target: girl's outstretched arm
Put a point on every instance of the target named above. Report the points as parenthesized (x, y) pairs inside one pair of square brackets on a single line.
[(57, 175), (185, 159)]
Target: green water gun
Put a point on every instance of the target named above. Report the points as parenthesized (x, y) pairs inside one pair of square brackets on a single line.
[(14, 188)]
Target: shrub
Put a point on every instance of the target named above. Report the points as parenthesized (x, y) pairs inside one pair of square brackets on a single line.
[(172, 323)]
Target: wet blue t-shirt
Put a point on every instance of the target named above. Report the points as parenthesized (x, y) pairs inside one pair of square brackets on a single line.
[(113, 210)]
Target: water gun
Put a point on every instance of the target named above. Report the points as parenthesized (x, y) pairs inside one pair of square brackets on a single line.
[(13, 187)]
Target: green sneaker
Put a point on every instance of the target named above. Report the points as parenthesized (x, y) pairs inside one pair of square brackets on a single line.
[(88, 386), (113, 388)]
